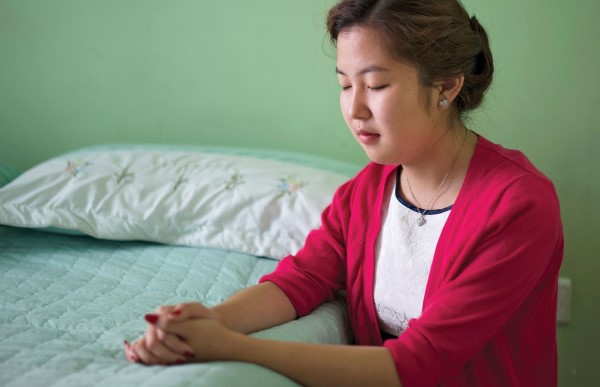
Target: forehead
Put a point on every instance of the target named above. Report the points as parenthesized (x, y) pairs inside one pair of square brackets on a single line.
[(360, 41), (362, 47)]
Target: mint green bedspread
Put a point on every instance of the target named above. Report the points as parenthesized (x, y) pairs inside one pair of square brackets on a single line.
[(68, 302)]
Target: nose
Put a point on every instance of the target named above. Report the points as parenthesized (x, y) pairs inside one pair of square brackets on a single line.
[(358, 108)]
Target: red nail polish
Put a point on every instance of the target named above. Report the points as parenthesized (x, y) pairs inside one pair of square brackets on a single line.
[(189, 355), (176, 312), (179, 361), (151, 318)]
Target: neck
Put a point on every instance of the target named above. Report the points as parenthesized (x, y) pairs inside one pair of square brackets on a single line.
[(436, 181)]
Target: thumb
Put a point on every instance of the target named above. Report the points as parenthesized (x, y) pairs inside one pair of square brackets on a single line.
[(166, 324), (189, 310)]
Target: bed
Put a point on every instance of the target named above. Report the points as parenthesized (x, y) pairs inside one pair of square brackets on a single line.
[(93, 239)]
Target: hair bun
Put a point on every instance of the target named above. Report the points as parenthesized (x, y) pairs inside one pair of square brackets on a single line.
[(474, 24), (477, 29)]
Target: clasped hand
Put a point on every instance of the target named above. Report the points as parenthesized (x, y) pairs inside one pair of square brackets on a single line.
[(179, 334)]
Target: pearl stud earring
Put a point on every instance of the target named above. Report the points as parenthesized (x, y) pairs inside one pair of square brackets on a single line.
[(443, 103)]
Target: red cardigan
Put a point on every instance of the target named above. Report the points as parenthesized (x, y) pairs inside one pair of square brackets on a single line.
[(489, 311)]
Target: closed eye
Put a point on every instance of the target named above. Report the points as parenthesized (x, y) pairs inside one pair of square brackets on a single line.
[(376, 88)]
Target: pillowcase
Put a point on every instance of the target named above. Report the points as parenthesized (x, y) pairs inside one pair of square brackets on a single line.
[(7, 173), (242, 201)]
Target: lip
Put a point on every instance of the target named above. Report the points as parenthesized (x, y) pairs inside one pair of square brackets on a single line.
[(366, 137)]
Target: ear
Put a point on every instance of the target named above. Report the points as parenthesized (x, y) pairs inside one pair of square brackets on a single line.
[(450, 88)]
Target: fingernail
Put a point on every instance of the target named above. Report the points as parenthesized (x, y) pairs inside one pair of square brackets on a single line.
[(151, 318), (179, 361), (189, 355), (176, 312)]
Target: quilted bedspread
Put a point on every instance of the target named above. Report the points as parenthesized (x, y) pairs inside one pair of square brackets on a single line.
[(68, 302)]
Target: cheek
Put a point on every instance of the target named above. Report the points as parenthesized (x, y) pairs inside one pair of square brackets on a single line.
[(397, 108), (344, 107), (385, 110)]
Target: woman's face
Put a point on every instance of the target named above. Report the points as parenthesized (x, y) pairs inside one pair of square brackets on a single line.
[(382, 101)]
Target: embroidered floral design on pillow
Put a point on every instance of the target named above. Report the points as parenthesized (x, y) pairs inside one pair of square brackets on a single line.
[(75, 168), (289, 185), (235, 180), (179, 182), (124, 177)]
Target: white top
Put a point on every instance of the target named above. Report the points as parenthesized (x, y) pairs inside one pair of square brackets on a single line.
[(404, 253)]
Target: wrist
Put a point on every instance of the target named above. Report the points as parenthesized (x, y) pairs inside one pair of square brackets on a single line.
[(239, 347), (227, 345), (217, 314)]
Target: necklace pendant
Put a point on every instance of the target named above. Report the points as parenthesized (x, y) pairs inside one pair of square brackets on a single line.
[(421, 221)]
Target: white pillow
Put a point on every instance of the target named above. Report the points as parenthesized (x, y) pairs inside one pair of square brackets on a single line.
[(243, 203)]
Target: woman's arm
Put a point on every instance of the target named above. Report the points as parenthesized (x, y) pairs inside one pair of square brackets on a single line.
[(319, 364), (266, 305), (255, 308), (308, 364)]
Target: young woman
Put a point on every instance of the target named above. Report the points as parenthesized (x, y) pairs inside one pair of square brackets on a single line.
[(452, 280)]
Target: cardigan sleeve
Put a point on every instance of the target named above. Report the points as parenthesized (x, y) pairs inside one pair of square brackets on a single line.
[(496, 284), (317, 271)]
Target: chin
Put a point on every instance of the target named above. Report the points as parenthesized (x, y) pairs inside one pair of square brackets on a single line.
[(380, 158)]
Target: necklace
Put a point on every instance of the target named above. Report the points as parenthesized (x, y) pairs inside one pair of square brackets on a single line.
[(420, 209)]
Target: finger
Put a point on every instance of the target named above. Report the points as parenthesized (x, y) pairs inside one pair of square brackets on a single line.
[(189, 310), (144, 355), (160, 350), (152, 318), (129, 353), (175, 344), (165, 309), (167, 325)]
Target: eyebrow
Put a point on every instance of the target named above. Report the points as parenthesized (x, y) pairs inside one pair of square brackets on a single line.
[(368, 69)]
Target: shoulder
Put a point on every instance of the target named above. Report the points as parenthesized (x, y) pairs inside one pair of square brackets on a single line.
[(503, 182), (498, 168), (506, 201)]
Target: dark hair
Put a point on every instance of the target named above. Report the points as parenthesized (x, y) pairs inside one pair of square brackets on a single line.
[(436, 36)]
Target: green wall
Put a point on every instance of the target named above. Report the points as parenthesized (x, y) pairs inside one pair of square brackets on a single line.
[(254, 73), (245, 73)]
